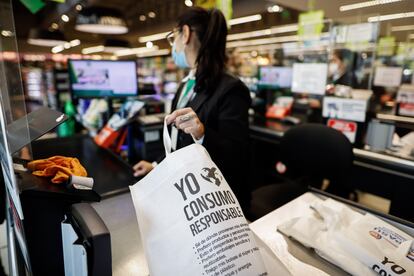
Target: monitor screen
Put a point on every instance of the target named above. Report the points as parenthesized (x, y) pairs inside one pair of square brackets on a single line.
[(102, 78), (271, 76), (309, 78)]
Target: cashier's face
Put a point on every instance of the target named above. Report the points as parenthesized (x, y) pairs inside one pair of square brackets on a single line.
[(335, 65), (181, 38)]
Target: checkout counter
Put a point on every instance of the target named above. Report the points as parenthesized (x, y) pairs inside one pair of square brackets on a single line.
[(377, 173), (45, 206)]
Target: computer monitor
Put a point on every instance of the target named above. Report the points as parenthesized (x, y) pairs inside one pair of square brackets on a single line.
[(103, 78), (309, 78), (275, 77)]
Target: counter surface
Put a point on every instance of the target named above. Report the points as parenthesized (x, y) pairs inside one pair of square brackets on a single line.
[(128, 256), (110, 173)]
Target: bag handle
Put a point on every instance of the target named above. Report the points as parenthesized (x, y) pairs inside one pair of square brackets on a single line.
[(167, 139)]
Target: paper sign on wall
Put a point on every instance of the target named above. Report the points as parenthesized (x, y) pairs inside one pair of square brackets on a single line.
[(345, 109), (340, 33), (349, 129), (405, 98), (309, 78), (406, 49), (363, 32), (388, 76)]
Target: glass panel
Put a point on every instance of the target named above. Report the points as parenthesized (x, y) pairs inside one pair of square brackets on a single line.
[(12, 108)]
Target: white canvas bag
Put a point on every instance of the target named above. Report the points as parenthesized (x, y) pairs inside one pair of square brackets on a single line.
[(189, 219)]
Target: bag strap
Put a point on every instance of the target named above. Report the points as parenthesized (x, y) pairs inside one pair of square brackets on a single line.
[(167, 139)]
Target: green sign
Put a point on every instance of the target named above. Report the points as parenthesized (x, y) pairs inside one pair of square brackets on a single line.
[(33, 5), (226, 6), (406, 49), (386, 46), (310, 25), (206, 4)]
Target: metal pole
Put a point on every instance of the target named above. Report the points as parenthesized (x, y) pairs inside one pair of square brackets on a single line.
[(11, 245)]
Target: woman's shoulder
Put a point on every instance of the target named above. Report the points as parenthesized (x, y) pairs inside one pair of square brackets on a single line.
[(230, 82)]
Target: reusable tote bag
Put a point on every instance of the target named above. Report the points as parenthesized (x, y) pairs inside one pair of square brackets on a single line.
[(190, 221)]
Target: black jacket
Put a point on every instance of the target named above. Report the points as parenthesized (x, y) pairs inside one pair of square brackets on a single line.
[(224, 113)]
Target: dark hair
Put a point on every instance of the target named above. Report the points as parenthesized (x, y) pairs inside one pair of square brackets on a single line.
[(342, 54), (211, 29)]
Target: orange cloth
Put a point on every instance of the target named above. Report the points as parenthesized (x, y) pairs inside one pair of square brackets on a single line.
[(58, 167)]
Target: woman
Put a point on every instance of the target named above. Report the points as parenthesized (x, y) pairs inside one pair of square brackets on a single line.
[(211, 105), (340, 68)]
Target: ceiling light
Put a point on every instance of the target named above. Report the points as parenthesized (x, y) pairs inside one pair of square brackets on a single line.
[(9, 55), (95, 49), (245, 19), (262, 41), (54, 26), (58, 49), (154, 37), (74, 43), (142, 18), (264, 32), (152, 14), (65, 18), (149, 44), (261, 48), (188, 3), (390, 16), (402, 28), (274, 8), (6, 33), (101, 20), (78, 7), (114, 45), (96, 57), (257, 33), (66, 45), (162, 52), (40, 37), (366, 4), (135, 51)]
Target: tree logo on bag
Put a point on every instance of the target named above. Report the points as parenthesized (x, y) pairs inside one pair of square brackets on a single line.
[(212, 175)]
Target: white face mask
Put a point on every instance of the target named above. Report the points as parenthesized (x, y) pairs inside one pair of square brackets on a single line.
[(333, 68)]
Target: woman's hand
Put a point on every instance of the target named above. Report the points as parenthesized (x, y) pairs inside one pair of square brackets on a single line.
[(187, 120), (142, 168)]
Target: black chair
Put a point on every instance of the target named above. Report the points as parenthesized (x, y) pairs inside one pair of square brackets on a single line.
[(311, 153)]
